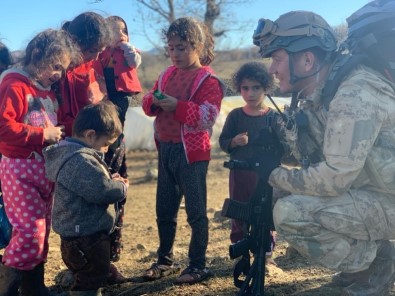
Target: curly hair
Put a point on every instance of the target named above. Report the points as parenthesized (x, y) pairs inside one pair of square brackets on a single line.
[(195, 33), (253, 71), (47, 48)]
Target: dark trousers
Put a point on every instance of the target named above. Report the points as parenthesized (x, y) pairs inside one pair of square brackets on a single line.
[(177, 178), (242, 184), (88, 258)]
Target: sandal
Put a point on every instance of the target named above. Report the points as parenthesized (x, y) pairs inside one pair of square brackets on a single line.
[(157, 271), (193, 276)]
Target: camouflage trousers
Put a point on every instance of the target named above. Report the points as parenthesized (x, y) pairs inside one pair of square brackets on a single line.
[(337, 232)]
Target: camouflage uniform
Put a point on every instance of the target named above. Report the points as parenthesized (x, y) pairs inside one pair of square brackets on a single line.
[(343, 203)]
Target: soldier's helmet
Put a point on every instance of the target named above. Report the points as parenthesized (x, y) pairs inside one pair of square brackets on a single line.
[(294, 31)]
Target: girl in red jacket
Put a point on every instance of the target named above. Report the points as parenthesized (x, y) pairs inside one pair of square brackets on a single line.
[(85, 83), (185, 110), (28, 122)]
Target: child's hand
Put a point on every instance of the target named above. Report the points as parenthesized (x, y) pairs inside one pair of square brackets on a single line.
[(155, 100), (168, 104), (126, 181), (53, 134), (125, 46), (240, 140), (117, 177), (131, 54)]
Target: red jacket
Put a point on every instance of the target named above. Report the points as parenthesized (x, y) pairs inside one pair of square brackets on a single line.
[(197, 115), (26, 108), (81, 86), (126, 78)]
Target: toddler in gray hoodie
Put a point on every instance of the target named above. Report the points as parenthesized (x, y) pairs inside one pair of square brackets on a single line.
[(84, 190)]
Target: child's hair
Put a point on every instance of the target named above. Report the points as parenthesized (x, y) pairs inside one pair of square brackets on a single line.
[(102, 118), (195, 33), (47, 48), (5, 57), (114, 18), (253, 71), (89, 30)]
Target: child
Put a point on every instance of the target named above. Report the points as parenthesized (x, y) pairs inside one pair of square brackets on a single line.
[(84, 189), (120, 61), (241, 128), (85, 83), (183, 125), (28, 122)]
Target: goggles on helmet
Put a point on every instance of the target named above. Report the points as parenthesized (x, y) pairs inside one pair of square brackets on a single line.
[(294, 32)]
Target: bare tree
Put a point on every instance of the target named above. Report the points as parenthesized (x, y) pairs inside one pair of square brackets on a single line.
[(151, 15), (163, 10), (341, 31), (212, 13)]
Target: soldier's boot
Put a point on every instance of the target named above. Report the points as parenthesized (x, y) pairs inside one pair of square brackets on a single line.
[(33, 282), (380, 275), (10, 279), (344, 279)]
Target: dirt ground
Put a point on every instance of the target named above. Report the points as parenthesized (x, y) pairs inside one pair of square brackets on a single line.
[(293, 275)]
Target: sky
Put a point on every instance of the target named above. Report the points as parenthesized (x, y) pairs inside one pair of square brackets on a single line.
[(20, 21)]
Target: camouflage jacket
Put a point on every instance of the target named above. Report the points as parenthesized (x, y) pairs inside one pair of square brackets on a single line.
[(355, 139)]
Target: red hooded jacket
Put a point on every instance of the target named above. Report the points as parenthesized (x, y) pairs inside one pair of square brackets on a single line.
[(26, 108)]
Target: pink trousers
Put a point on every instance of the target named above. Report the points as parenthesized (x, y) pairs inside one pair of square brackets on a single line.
[(28, 198)]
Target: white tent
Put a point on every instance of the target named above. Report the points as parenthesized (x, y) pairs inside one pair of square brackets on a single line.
[(139, 131)]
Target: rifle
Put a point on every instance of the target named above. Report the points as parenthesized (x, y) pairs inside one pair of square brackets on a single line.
[(258, 216)]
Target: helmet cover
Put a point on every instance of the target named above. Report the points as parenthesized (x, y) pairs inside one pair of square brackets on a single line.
[(294, 31)]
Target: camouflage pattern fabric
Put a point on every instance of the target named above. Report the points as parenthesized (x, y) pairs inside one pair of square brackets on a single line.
[(340, 205)]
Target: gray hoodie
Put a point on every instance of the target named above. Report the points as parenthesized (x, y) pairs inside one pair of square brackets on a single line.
[(83, 189)]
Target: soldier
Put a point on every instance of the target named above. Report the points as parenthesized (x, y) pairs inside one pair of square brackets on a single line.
[(340, 210)]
